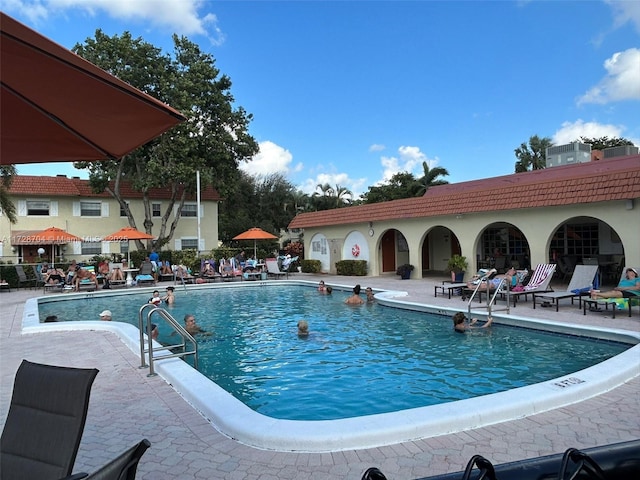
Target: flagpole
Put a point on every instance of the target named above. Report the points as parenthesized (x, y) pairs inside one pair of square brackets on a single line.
[(198, 208)]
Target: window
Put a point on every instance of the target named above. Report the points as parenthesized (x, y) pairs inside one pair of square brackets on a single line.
[(91, 248), (189, 210), (124, 247), (189, 244), (90, 209), (38, 207), (122, 212), (155, 210)]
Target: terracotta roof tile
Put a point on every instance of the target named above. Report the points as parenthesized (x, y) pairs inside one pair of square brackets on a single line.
[(597, 181), (62, 186)]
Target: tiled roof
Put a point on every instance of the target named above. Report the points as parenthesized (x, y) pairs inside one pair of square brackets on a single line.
[(62, 186), (597, 181)]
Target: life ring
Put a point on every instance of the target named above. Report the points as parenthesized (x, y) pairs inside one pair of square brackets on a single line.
[(355, 250)]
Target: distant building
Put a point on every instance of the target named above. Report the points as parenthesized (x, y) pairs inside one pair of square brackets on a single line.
[(586, 211), (69, 204)]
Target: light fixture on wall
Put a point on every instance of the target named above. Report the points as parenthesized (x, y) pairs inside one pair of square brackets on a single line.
[(629, 205), (459, 216), (41, 251), (14, 249)]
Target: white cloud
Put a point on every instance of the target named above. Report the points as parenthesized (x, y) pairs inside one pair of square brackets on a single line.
[(271, 158), (176, 16), (622, 81), (409, 160), (625, 11), (376, 147), (570, 132)]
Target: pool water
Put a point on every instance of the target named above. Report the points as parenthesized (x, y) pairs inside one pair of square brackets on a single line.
[(358, 360)]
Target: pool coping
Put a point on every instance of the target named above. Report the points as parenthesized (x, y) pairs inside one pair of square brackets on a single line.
[(237, 421)]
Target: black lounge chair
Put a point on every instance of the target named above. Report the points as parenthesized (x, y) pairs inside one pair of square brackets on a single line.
[(45, 422), (123, 467)]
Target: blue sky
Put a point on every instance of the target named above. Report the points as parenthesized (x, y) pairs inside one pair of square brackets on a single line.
[(351, 92)]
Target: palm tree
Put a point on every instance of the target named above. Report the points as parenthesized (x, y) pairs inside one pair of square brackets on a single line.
[(534, 156), (429, 179), (343, 196), (6, 205)]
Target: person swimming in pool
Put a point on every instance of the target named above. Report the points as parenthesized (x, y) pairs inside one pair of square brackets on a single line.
[(461, 326), (303, 328)]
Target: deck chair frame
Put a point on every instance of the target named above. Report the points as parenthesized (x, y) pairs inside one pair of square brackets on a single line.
[(273, 269), (582, 277), (539, 283), (46, 418)]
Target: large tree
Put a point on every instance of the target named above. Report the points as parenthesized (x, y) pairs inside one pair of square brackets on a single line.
[(532, 156), (213, 140), (400, 185), (604, 142)]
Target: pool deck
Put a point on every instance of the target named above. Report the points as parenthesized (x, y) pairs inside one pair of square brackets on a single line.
[(127, 406)]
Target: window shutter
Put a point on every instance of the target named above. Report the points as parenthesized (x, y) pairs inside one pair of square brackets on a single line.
[(76, 209), (105, 209), (22, 208), (53, 208)]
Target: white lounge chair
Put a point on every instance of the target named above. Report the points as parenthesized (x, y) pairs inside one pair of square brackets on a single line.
[(539, 282), (273, 269), (582, 278)]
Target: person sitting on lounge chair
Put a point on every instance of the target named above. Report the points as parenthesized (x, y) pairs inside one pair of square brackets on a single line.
[(84, 274), (226, 270), (628, 287), (492, 282), (52, 276)]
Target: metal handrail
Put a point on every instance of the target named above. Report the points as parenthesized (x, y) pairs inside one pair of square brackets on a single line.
[(502, 288), (179, 329)]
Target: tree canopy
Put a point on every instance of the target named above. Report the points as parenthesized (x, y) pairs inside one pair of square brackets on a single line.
[(604, 142), (534, 155), (213, 140)]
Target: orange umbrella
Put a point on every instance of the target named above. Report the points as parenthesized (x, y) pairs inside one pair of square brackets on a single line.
[(127, 233), (54, 236), (255, 234)]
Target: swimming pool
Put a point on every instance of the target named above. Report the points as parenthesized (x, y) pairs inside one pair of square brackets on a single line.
[(357, 360), (255, 429)]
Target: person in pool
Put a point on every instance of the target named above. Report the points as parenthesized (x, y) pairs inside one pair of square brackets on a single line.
[(461, 326), (169, 298), (303, 328), (355, 298), (155, 299), (191, 326)]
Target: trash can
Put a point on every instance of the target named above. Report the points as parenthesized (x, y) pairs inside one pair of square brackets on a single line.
[(263, 275)]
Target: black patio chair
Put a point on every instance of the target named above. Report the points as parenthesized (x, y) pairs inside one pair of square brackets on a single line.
[(46, 418), (23, 278), (123, 467)]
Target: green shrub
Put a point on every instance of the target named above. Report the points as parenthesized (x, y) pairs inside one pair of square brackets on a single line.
[(351, 267), (311, 266)]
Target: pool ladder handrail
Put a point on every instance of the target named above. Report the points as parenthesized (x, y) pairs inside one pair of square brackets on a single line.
[(501, 289), (150, 349)]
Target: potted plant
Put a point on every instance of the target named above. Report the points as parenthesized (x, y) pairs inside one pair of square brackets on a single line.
[(457, 266), (404, 271)]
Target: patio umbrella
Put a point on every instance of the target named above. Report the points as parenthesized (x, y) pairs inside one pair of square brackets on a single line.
[(255, 234), (54, 236), (128, 234), (58, 107)]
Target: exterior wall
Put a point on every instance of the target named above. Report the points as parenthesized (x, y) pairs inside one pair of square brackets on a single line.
[(66, 216), (537, 224)]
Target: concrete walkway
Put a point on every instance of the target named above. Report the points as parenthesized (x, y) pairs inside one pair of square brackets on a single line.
[(127, 406)]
